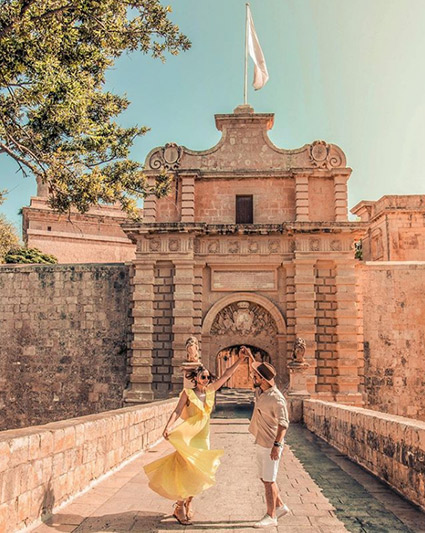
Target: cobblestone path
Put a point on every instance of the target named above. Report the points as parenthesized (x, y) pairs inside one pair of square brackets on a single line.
[(325, 492)]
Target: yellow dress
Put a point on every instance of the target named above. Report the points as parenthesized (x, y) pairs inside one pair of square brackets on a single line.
[(191, 468)]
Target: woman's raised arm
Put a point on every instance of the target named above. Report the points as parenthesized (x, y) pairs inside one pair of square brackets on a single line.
[(227, 374)]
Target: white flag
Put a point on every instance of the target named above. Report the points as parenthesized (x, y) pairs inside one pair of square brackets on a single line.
[(260, 68)]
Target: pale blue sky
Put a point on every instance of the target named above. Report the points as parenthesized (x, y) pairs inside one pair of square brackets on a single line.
[(351, 72)]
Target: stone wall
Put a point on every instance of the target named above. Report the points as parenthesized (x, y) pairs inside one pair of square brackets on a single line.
[(391, 447), (63, 341), (396, 228), (92, 237), (274, 200), (41, 468), (394, 336)]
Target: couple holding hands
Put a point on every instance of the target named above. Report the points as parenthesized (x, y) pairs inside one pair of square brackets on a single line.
[(191, 468)]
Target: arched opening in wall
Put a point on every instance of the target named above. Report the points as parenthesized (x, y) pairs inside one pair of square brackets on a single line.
[(246, 319), (241, 379)]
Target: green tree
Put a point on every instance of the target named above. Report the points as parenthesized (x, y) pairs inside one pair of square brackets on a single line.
[(56, 119), (8, 236), (29, 256)]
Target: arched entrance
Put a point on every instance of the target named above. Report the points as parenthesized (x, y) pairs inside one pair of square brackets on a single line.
[(245, 319), (241, 379)]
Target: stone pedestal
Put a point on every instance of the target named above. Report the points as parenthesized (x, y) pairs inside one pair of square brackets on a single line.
[(297, 390)]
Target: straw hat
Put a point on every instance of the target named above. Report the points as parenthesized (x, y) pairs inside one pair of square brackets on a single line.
[(266, 371)]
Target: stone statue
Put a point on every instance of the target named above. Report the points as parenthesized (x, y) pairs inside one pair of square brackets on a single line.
[(299, 350), (192, 350)]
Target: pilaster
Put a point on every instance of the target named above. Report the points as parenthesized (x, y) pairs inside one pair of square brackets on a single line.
[(305, 313), (301, 198), (150, 204), (187, 197), (340, 190), (346, 330), (183, 315), (141, 346)]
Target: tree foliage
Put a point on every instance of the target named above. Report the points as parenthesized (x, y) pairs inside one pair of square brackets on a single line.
[(8, 235), (56, 119), (29, 256)]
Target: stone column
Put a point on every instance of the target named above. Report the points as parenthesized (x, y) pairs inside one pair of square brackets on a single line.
[(183, 316), (346, 315), (301, 198), (304, 311), (340, 190), (140, 362), (187, 198)]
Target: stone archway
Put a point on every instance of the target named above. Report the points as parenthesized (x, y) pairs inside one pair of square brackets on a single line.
[(250, 319)]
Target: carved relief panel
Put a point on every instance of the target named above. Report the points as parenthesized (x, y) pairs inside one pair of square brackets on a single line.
[(245, 319)]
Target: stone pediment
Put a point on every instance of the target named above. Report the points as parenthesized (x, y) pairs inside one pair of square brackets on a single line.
[(245, 147)]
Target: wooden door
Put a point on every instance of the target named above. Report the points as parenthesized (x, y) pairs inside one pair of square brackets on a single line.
[(241, 378)]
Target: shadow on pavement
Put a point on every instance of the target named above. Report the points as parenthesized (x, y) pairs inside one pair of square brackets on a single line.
[(134, 522)]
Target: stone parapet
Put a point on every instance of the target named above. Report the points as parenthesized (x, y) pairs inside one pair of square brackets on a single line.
[(44, 467), (391, 447)]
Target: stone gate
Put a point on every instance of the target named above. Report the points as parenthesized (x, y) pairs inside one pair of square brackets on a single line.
[(252, 246)]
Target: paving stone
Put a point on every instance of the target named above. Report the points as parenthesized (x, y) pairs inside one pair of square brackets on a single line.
[(323, 498), (348, 489)]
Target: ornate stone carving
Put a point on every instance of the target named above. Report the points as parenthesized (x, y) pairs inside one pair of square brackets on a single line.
[(192, 350), (336, 245), (299, 350), (167, 157), (174, 245), (244, 318), (273, 247), (154, 245), (234, 247), (323, 155), (196, 245), (253, 247), (314, 245), (213, 247)]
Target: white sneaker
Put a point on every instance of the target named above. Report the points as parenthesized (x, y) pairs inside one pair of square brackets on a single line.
[(266, 521), (282, 511)]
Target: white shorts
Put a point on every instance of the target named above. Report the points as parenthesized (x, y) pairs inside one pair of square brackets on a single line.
[(267, 468)]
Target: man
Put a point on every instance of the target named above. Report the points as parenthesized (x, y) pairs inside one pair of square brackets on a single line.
[(268, 425)]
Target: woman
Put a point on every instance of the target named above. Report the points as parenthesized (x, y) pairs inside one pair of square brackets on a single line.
[(191, 468)]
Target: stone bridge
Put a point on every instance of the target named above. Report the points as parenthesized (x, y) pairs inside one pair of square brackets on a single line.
[(85, 474)]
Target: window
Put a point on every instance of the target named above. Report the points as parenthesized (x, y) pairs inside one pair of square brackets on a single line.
[(244, 209)]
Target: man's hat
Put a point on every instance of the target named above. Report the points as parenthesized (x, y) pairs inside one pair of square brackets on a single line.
[(266, 371)]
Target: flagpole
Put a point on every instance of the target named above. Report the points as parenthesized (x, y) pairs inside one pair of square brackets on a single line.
[(245, 91)]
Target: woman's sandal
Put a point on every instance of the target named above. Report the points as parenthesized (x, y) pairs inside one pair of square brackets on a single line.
[(189, 511), (183, 521)]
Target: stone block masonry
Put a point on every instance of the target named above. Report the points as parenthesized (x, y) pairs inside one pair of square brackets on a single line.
[(391, 447), (42, 468), (325, 305), (64, 333), (162, 329), (394, 336)]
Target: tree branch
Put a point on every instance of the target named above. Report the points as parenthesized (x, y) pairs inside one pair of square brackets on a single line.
[(26, 4)]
